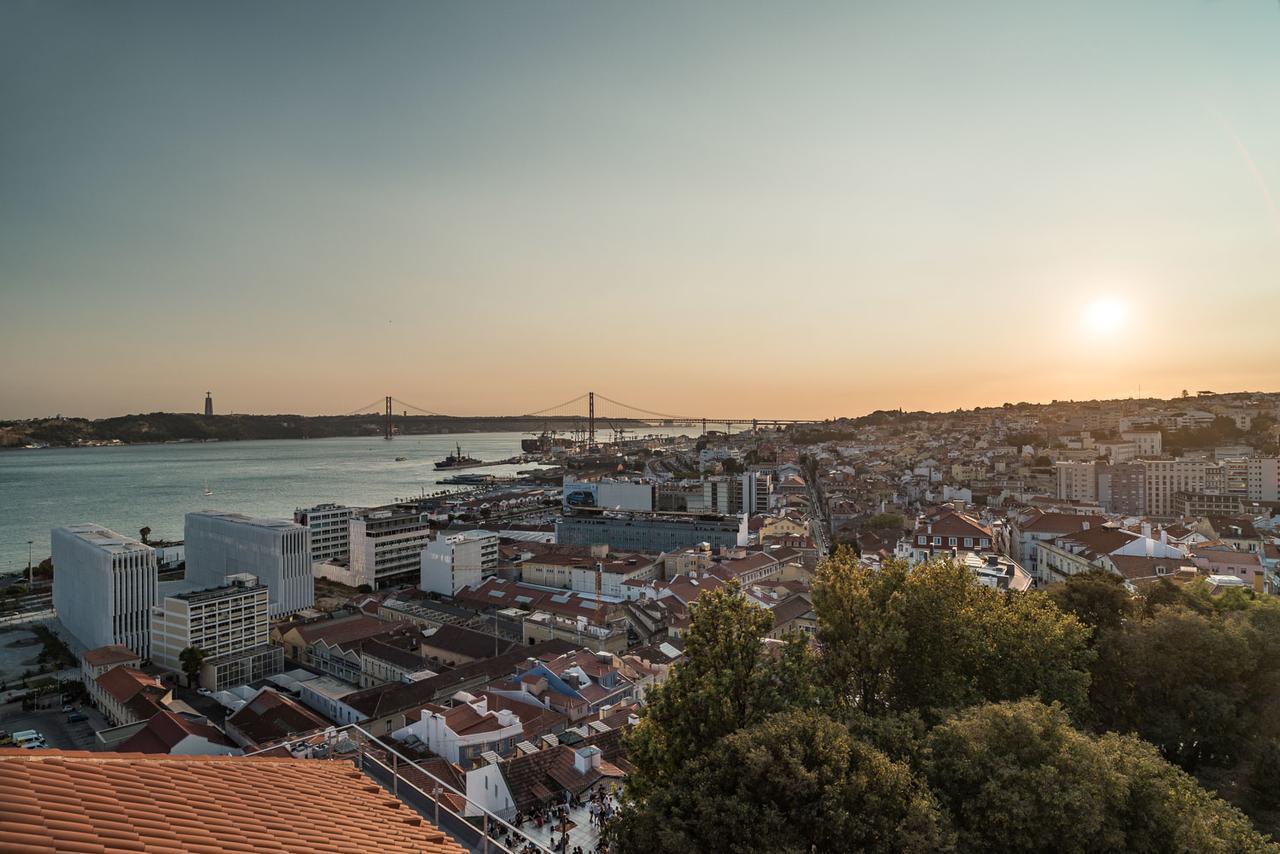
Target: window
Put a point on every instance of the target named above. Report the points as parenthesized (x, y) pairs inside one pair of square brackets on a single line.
[(985, 542), (951, 541), (968, 541), (937, 541)]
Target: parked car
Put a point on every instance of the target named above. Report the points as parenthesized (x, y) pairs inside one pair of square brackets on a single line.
[(6, 737), (29, 739), (77, 717), (204, 692), (66, 710)]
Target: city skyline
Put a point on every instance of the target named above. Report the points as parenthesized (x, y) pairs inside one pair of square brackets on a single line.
[(820, 211)]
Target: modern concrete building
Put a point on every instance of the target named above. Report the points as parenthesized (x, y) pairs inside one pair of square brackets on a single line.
[(1166, 478), (1077, 480), (330, 526), (651, 532), (1263, 479), (276, 551), (104, 585), (451, 561), (224, 622), (386, 545)]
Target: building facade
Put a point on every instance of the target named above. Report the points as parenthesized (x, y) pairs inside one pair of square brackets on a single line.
[(221, 621), (330, 530), (276, 551), (386, 545), (104, 585), (652, 532), (452, 561)]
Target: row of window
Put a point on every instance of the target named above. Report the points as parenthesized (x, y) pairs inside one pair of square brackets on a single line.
[(983, 542)]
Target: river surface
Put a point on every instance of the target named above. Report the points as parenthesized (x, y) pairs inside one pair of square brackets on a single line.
[(127, 487)]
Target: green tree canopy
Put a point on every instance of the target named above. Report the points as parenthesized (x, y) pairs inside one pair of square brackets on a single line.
[(795, 782), (932, 638), (1019, 777)]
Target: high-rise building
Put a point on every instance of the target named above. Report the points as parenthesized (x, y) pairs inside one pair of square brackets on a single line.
[(104, 585), (277, 551), (230, 625), (1166, 478), (208, 403), (1129, 489), (386, 545), (330, 530), (1264, 479), (1077, 481)]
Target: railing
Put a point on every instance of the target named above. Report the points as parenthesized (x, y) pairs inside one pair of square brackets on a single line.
[(485, 833)]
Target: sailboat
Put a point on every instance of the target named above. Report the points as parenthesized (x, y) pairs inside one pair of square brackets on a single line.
[(207, 490)]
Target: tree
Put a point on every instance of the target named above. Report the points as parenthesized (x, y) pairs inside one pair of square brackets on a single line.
[(1264, 777), (725, 682), (1019, 777), (190, 660), (931, 638), (1097, 598), (886, 524), (1195, 685), (794, 782)]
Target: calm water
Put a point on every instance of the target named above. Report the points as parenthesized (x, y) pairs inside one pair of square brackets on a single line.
[(128, 487)]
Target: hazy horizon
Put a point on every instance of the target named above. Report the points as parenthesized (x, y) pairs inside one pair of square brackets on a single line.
[(792, 211)]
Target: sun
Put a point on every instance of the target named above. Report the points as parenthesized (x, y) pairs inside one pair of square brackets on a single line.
[(1106, 314)]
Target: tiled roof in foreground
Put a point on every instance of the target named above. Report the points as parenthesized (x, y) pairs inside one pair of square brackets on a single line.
[(78, 801)]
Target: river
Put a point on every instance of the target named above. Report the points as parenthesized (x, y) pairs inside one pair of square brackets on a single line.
[(127, 487)]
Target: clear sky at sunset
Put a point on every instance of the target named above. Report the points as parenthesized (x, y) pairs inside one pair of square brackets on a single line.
[(784, 209)]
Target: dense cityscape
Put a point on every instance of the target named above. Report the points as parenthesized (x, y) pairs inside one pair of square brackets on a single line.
[(517, 660), (555, 427)]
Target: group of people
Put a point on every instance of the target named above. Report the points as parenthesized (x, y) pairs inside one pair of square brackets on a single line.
[(601, 806)]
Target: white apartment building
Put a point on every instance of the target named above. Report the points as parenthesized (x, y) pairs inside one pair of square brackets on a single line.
[(1263, 478), (330, 526), (220, 621), (104, 585), (276, 551), (1077, 480), (386, 545), (1150, 442), (453, 561), (1165, 478)]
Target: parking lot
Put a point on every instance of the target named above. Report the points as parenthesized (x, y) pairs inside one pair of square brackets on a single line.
[(53, 724)]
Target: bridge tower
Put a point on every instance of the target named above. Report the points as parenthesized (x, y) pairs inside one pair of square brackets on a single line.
[(388, 417), (591, 419)]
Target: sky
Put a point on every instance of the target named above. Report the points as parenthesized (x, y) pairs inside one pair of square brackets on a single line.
[(765, 209)]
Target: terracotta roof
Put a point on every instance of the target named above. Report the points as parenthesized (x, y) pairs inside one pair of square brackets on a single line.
[(111, 654), (451, 640), (344, 630), (79, 801), (1134, 567), (271, 716), (1061, 523), (125, 683), (165, 731)]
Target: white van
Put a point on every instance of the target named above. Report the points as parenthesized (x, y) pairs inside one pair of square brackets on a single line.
[(30, 739)]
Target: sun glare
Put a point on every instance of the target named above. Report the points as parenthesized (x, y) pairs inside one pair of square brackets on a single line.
[(1105, 315)]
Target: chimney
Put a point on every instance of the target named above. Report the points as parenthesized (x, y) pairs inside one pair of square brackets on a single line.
[(1164, 537), (1149, 543), (1146, 530)]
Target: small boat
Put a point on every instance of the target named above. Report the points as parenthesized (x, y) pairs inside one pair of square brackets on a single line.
[(401, 459), (457, 461), (207, 490)]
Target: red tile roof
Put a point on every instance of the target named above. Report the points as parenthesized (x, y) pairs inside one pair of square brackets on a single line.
[(78, 801), (165, 731), (111, 654), (125, 683)]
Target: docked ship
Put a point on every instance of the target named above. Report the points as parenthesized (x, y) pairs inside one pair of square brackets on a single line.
[(544, 442), (457, 461)]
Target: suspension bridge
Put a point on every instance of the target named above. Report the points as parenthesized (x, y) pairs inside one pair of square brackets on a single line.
[(591, 409)]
